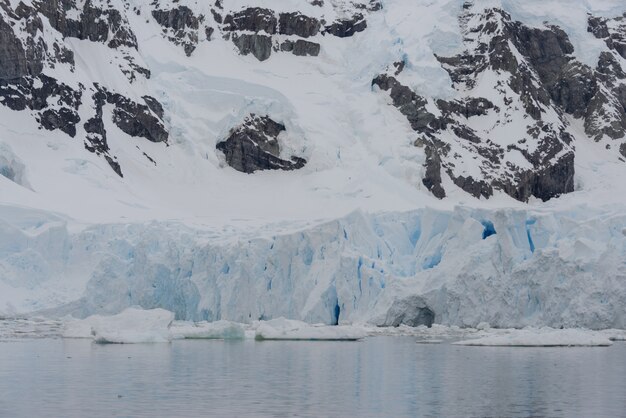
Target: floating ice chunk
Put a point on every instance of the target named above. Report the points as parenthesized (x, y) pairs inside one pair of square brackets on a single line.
[(219, 330), (77, 328), (483, 326), (429, 341), (615, 334), (286, 329), (132, 326), (542, 337)]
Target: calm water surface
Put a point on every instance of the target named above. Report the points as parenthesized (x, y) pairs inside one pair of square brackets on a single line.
[(382, 376)]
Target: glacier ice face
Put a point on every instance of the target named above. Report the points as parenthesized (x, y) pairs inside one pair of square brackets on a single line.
[(539, 268)]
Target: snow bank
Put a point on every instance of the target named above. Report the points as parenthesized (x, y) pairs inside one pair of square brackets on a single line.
[(219, 330), (132, 326), (542, 337), (286, 329)]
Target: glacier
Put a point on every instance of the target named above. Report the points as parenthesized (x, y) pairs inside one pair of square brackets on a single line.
[(354, 237), (539, 268)]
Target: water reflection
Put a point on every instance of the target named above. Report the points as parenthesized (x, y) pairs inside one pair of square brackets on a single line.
[(377, 377)]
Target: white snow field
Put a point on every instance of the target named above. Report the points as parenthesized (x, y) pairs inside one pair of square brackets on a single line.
[(354, 237)]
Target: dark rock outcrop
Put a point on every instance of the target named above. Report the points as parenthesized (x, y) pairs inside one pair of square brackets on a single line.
[(301, 48), (97, 25), (183, 24), (546, 76), (432, 177), (136, 119), (96, 138), (252, 30), (258, 45), (409, 104), (21, 58), (614, 35), (298, 24), (254, 146), (253, 19), (34, 93), (345, 28)]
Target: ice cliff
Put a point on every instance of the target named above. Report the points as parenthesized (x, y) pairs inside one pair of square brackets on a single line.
[(510, 268)]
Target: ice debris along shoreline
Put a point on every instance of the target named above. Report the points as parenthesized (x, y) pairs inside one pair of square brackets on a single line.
[(542, 337), (157, 326), (132, 326), (287, 329)]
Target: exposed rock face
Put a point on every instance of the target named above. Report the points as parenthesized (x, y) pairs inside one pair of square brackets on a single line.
[(96, 138), (34, 94), (613, 31), (182, 24), (18, 59), (253, 30), (298, 24), (253, 19), (27, 54), (95, 24), (345, 28), (258, 45), (606, 110), (540, 81), (432, 177), (137, 119), (254, 146), (301, 48)]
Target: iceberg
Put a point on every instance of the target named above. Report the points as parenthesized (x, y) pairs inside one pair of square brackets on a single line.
[(132, 326), (286, 329), (542, 337), (219, 330)]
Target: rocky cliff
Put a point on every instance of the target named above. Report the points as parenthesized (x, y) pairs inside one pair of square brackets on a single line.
[(517, 87)]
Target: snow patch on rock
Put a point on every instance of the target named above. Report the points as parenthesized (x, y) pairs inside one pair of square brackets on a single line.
[(132, 326)]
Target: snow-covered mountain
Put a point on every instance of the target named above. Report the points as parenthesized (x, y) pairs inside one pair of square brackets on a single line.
[(390, 161)]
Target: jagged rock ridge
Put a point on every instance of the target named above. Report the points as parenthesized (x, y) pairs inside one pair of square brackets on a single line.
[(538, 83)]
